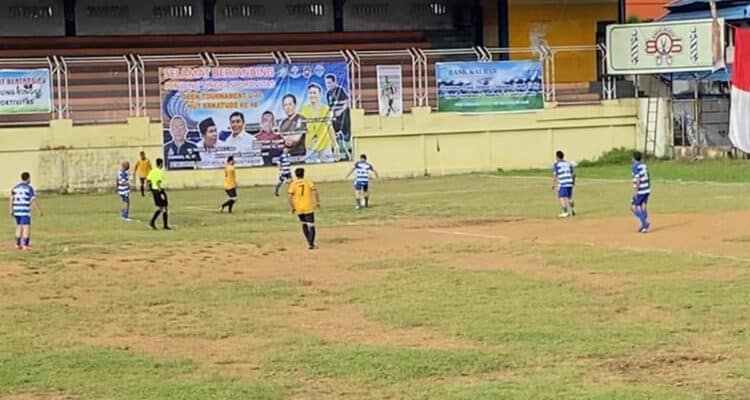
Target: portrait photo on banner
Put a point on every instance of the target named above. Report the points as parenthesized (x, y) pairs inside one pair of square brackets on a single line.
[(253, 113)]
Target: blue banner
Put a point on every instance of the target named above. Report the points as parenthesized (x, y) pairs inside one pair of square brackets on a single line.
[(498, 86), (253, 113), (25, 91)]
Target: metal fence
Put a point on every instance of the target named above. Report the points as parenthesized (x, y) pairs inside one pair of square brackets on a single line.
[(111, 89)]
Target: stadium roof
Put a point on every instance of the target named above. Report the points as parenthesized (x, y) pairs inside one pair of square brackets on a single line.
[(698, 3), (731, 13), (722, 75)]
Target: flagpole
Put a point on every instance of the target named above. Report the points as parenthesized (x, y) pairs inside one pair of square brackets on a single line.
[(717, 42)]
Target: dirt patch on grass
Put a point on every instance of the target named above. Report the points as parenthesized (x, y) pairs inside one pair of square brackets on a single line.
[(704, 368), (679, 233), (346, 323), (36, 396), (662, 364), (12, 270), (239, 356), (719, 273), (644, 312), (530, 266), (456, 223)]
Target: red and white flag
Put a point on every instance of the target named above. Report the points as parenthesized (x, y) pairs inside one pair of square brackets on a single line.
[(739, 116)]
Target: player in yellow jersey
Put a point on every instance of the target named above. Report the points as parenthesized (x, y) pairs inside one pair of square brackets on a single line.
[(142, 168), (230, 185), (320, 139), (303, 200)]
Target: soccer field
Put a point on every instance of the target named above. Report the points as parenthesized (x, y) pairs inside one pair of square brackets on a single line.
[(462, 287)]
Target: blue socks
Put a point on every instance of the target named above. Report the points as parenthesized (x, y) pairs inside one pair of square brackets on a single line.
[(26, 242), (124, 213), (642, 216), (18, 241)]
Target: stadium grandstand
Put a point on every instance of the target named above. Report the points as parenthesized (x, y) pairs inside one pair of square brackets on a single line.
[(108, 53)]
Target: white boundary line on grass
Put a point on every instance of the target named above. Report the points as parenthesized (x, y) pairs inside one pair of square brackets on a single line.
[(412, 193), (612, 180), (198, 208), (683, 252), (457, 233), (594, 245)]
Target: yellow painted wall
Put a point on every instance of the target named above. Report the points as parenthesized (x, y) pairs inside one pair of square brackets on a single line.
[(486, 142), (561, 24), (74, 158)]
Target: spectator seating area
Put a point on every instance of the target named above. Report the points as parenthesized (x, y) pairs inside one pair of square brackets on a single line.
[(98, 72), (98, 88)]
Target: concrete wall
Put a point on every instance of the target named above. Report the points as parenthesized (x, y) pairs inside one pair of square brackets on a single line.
[(32, 18), (71, 158), (267, 16), (137, 17), (408, 146)]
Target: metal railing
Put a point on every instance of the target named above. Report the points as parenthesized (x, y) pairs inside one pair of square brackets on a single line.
[(142, 80)]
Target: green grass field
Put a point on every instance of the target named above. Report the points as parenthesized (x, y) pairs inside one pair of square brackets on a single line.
[(459, 287)]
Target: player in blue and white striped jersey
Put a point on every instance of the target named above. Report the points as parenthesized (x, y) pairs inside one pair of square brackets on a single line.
[(22, 200), (362, 170), (563, 175), (285, 169), (641, 191), (123, 190)]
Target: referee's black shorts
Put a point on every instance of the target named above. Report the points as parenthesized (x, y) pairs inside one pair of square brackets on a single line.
[(232, 193), (307, 218), (160, 198)]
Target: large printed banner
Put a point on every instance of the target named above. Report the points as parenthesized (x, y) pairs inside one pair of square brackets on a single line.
[(253, 113), (665, 47), (498, 86), (25, 91)]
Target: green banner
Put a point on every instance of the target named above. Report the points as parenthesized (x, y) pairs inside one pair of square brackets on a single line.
[(664, 47), (483, 87)]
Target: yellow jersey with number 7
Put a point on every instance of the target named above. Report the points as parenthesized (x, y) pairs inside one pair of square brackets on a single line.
[(230, 179), (303, 199)]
